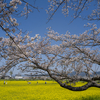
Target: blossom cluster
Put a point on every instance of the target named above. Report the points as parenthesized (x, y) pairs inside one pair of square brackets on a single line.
[(77, 7), (8, 22)]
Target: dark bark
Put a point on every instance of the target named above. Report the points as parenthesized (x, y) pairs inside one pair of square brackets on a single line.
[(81, 88)]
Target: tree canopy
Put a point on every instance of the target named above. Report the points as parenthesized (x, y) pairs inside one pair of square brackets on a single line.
[(73, 54)]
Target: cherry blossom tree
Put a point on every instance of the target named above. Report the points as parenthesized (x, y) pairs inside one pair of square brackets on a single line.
[(77, 7), (74, 53), (10, 10), (77, 54)]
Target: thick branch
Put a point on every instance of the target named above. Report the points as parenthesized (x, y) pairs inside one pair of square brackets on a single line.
[(82, 88)]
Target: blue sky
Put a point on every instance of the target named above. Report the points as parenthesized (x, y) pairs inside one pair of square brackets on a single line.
[(36, 21)]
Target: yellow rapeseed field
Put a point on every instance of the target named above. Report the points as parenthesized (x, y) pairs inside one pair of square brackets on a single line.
[(21, 90)]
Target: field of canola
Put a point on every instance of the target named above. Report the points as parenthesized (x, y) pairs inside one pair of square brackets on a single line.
[(21, 90)]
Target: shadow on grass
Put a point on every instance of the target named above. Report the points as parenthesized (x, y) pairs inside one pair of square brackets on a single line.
[(89, 98)]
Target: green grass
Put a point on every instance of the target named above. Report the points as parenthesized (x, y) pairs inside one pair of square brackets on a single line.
[(21, 90)]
